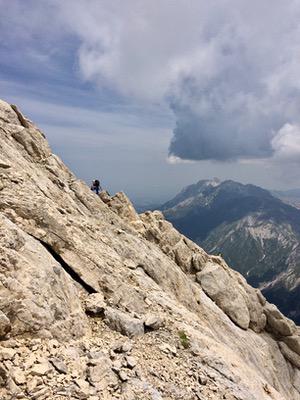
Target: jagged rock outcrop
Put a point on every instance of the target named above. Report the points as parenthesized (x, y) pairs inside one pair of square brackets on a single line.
[(97, 301)]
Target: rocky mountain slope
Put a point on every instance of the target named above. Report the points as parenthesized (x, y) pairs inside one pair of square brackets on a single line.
[(256, 233), (98, 302)]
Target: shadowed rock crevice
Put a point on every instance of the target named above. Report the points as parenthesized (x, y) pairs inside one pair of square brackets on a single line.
[(68, 269), (20, 116)]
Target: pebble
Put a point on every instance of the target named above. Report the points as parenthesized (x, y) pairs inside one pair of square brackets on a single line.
[(123, 376), (7, 353), (40, 369), (18, 376), (131, 362), (59, 365)]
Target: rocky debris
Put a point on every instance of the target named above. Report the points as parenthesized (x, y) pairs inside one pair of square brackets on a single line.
[(7, 353), (63, 250), (123, 376), (169, 349), (153, 322), (100, 373), (18, 376), (131, 362), (40, 369), (124, 323), (277, 322), (95, 305), (3, 376), (59, 365), (5, 326), (123, 347)]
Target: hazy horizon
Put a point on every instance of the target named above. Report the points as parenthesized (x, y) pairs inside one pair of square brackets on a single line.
[(150, 97)]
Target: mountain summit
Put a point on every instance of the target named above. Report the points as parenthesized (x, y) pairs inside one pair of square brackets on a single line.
[(257, 233), (98, 302)]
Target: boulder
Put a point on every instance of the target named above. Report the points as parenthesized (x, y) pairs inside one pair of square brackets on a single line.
[(290, 355), (277, 323), (40, 369), (100, 373), (95, 305), (293, 342), (153, 322), (59, 365), (124, 323), (219, 286)]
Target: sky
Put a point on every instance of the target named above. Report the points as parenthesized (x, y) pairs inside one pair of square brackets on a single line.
[(152, 95)]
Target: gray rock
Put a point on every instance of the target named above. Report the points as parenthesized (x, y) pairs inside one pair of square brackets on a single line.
[(18, 376), (131, 362), (101, 375), (59, 365), (84, 388), (123, 376), (47, 302), (123, 322), (40, 369), (153, 322), (169, 349), (293, 342), (95, 305), (277, 322), (7, 353), (127, 347), (290, 355), (220, 287)]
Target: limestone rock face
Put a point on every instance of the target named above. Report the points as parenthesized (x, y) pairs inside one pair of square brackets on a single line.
[(36, 294), (218, 286), (5, 326), (97, 301)]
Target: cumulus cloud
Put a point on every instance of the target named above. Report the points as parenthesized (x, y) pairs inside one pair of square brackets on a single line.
[(286, 144), (228, 69)]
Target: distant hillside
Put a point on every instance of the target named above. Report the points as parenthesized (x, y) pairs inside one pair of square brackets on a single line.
[(257, 233), (291, 197)]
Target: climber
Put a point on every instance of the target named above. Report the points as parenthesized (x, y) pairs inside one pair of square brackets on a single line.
[(96, 186)]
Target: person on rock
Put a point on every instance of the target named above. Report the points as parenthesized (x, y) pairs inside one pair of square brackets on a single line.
[(96, 186)]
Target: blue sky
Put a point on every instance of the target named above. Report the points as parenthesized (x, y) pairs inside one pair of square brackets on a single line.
[(152, 96)]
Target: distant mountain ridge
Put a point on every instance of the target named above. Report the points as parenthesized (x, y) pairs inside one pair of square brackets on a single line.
[(291, 197), (257, 233)]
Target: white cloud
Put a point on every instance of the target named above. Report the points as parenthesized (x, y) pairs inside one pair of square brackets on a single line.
[(286, 144), (177, 160), (229, 69)]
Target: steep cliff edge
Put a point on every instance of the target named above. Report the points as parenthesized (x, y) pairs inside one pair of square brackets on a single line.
[(98, 302)]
